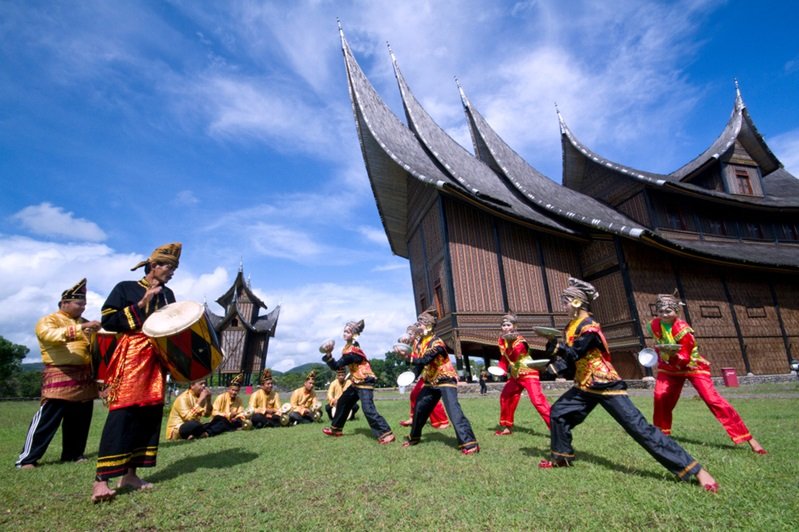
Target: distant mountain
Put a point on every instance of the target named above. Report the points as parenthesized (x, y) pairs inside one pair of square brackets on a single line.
[(306, 368), (33, 366)]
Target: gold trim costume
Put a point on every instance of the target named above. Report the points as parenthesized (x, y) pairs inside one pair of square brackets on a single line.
[(265, 407), (185, 416), (68, 388)]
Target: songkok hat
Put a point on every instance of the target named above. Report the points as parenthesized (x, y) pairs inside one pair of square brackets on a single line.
[(238, 380), (580, 291), (428, 318), (510, 317), (669, 302), (166, 254), (341, 371), (266, 375), (311, 376), (76, 293), (355, 327)]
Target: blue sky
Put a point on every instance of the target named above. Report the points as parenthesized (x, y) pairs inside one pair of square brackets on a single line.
[(228, 126)]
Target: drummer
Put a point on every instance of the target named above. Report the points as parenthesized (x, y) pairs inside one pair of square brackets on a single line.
[(362, 387), (514, 351), (135, 376), (686, 363)]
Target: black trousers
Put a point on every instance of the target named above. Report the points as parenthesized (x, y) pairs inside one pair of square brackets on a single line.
[(129, 440), (192, 428), (574, 406), (75, 418), (426, 402), (220, 424), (329, 410), (348, 401), (260, 421)]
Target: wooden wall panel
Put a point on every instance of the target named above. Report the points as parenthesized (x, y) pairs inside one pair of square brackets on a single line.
[(635, 208), (707, 303), (475, 266), (597, 256), (787, 291), (754, 307), (767, 356), (560, 262), (524, 279)]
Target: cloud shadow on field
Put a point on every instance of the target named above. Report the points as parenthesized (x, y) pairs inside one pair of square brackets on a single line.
[(217, 460)]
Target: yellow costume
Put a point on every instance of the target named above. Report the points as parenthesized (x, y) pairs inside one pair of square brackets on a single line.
[(227, 408), (187, 407), (261, 403)]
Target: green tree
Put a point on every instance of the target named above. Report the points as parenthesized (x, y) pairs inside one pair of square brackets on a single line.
[(11, 356)]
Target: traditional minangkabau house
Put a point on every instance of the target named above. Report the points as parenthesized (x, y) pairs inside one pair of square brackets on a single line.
[(243, 332), (486, 233)]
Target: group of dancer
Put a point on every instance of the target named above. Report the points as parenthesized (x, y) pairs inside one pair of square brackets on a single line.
[(134, 389)]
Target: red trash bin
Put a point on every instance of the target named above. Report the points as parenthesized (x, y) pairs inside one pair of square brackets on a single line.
[(730, 377), (249, 389)]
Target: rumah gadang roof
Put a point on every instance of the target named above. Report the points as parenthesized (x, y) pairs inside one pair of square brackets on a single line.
[(393, 154), (538, 188), (780, 188)]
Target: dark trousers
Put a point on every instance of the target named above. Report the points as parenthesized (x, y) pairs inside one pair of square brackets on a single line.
[(220, 425), (192, 428), (483, 387), (296, 417), (260, 421), (346, 403), (130, 440), (426, 402), (75, 418), (329, 410), (575, 405)]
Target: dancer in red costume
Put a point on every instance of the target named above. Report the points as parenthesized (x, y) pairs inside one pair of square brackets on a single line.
[(438, 418), (514, 353), (675, 367)]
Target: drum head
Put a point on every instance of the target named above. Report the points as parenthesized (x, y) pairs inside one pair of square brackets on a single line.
[(405, 378), (537, 363), (549, 332), (669, 348), (496, 371), (648, 357), (172, 319)]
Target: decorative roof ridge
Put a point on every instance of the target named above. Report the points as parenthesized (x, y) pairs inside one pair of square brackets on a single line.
[(549, 195), (232, 293)]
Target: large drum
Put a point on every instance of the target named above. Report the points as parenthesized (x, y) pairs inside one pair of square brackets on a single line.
[(185, 340), (104, 343)]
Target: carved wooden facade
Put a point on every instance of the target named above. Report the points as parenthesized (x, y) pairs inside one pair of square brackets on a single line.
[(487, 233)]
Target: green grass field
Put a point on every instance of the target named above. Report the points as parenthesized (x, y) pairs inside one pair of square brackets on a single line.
[(297, 479)]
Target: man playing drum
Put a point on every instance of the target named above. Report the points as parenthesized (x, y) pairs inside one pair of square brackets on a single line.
[(135, 376), (68, 390)]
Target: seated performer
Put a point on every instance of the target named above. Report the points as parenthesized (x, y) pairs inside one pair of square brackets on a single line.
[(335, 390), (440, 383), (185, 417), (228, 412), (302, 401), (514, 351), (362, 387), (438, 417), (597, 382), (265, 403), (68, 390), (687, 363)]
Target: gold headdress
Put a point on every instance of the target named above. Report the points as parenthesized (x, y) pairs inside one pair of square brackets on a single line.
[(311, 376), (166, 254), (76, 293), (579, 293), (428, 318), (238, 380), (510, 317), (355, 327), (669, 302), (266, 375)]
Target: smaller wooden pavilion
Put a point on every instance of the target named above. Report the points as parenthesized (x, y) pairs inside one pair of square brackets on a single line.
[(243, 331)]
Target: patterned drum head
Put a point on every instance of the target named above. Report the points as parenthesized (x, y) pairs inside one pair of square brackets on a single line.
[(185, 340)]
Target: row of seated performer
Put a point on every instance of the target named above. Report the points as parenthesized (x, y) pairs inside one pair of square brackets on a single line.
[(264, 409)]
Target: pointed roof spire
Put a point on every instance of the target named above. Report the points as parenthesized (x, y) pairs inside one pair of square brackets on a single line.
[(241, 264), (561, 122), (739, 101)]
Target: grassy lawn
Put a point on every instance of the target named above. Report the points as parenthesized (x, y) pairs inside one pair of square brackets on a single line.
[(297, 479)]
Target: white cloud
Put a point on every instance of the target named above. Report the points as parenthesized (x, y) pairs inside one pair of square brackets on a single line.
[(786, 148), (187, 198), (374, 234), (49, 220)]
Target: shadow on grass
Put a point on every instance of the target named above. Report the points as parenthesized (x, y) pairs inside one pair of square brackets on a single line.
[(429, 434), (726, 447), (216, 460), (601, 461)]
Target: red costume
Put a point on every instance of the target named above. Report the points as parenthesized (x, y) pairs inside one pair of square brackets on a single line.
[(438, 418), (520, 378), (674, 369)]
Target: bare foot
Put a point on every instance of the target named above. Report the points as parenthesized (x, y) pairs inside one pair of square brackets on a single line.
[(101, 492), (130, 480), (707, 481), (504, 432), (756, 447), (28, 466)]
